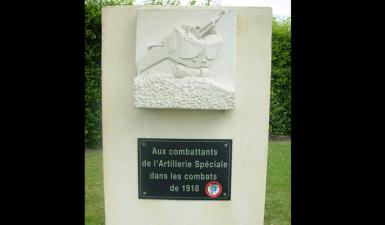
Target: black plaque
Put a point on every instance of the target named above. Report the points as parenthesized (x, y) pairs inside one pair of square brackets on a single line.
[(185, 169)]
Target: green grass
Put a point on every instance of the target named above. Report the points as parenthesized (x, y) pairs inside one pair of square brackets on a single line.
[(278, 192), (94, 195), (278, 189)]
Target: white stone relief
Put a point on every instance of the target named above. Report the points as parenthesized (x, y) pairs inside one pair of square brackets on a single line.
[(176, 72)]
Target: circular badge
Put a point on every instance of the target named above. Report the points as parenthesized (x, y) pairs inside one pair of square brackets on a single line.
[(213, 189)]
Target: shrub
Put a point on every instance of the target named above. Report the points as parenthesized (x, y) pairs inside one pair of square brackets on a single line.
[(92, 129), (280, 98)]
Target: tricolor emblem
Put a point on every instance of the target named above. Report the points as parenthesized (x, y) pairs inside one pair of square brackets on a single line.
[(213, 189)]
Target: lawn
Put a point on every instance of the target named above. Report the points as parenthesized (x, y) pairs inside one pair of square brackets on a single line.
[(278, 190), (94, 196), (278, 193)]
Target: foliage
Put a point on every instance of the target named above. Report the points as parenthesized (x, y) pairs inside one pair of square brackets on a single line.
[(280, 99), (162, 2), (280, 109), (93, 69), (192, 2)]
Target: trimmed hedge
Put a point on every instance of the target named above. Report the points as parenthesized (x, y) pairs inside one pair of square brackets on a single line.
[(281, 73), (280, 97), (93, 35)]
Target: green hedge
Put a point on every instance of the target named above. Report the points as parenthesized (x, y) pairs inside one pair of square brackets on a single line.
[(281, 74), (280, 98), (93, 123)]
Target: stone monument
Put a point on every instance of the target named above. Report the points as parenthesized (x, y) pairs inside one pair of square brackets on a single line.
[(185, 95)]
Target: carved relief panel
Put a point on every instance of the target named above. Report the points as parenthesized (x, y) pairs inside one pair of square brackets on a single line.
[(185, 59)]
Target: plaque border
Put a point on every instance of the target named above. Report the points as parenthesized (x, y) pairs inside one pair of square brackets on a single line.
[(141, 196)]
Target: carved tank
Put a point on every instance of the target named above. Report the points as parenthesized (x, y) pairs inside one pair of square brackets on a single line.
[(192, 49)]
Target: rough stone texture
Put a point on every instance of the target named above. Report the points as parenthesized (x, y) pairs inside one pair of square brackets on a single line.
[(156, 90), (247, 125)]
